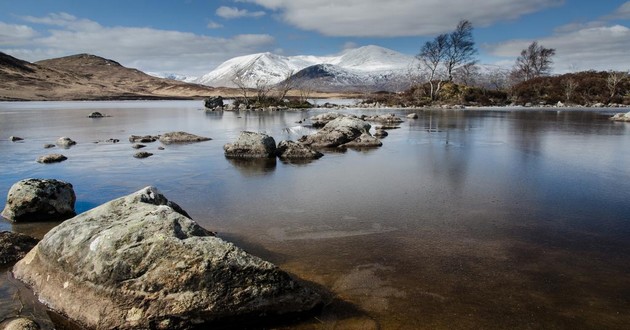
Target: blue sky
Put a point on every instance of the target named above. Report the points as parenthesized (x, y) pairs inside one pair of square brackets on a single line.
[(192, 37)]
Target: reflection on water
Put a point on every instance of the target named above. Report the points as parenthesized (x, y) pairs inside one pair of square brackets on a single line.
[(462, 219)]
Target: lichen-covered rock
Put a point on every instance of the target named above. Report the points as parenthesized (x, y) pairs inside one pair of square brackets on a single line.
[(40, 200), (181, 137), (136, 262), (294, 150), (65, 142), (337, 132), (14, 246), (251, 145), (51, 158)]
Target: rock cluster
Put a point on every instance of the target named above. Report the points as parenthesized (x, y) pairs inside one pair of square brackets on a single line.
[(40, 200), (143, 138), (341, 132), (137, 262)]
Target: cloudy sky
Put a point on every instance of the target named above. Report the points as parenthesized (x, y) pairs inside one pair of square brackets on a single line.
[(192, 37)]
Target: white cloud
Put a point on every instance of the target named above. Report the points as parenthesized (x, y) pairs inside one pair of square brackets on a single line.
[(147, 49), (393, 18), (623, 12), (214, 25), (11, 34), (233, 12), (588, 48)]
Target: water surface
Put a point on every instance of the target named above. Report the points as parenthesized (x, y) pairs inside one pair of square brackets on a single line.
[(463, 219)]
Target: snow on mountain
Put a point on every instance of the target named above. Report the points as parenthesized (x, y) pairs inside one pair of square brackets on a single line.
[(173, 76), (361, 66)]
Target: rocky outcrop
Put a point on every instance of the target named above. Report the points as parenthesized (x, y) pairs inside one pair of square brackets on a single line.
[(251, 145), (213, 102), (65, 142), (40, 200), (136, 262), (14, 246), (51, 158), (291, 150), (181, 137), (143, 138), (621, 117), (337, 132)]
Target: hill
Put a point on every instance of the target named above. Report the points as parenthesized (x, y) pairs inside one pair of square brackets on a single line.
[(86, 77)]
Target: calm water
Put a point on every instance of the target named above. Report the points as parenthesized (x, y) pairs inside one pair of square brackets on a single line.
[(462, 220)]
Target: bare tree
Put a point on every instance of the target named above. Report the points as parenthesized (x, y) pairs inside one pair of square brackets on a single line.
[(467, 74), (431, 56), (613, 80), (285, 85), (569, 85), (461, 48), (498, 78), (240, 80), (534, 61), (306, 89)]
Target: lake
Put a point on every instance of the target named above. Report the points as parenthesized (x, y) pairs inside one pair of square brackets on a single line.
[(463, 219)]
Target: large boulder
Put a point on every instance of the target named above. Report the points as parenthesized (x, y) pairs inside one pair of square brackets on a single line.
[(213, 102), (181, 137), (14, 246), (291, 150), (40, 200), (337, 132), (251, 145), (136, 262)]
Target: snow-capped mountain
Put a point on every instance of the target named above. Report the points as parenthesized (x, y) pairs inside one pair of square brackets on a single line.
[(364, 67), (173, 76)]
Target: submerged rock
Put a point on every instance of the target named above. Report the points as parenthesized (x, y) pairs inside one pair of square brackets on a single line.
[(142, 154), (138, 146), (181, 137), (96, 114), (136, 262), (294, 150), (621, 117), (251, 145), (14, 246), (15, 138), (40, 200), (48, 145), (51, 158), (412, 116), (143, 138), (65, 142)]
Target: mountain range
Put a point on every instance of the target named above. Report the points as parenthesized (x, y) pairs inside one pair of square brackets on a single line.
[(87, 77), (364, 68)]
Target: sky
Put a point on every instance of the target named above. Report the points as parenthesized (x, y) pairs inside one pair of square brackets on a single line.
[(192, 37)]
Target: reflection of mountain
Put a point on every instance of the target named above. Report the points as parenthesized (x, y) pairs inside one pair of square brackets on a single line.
[(82, 77), (369, 67)]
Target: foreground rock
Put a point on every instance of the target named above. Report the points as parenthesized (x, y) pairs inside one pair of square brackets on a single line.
[(621, 117), (51, 158), (251, 145), (136, 262), (291, 150), (40, 200), (337, 132), (181, 137), (14, 246), (65, 142)]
